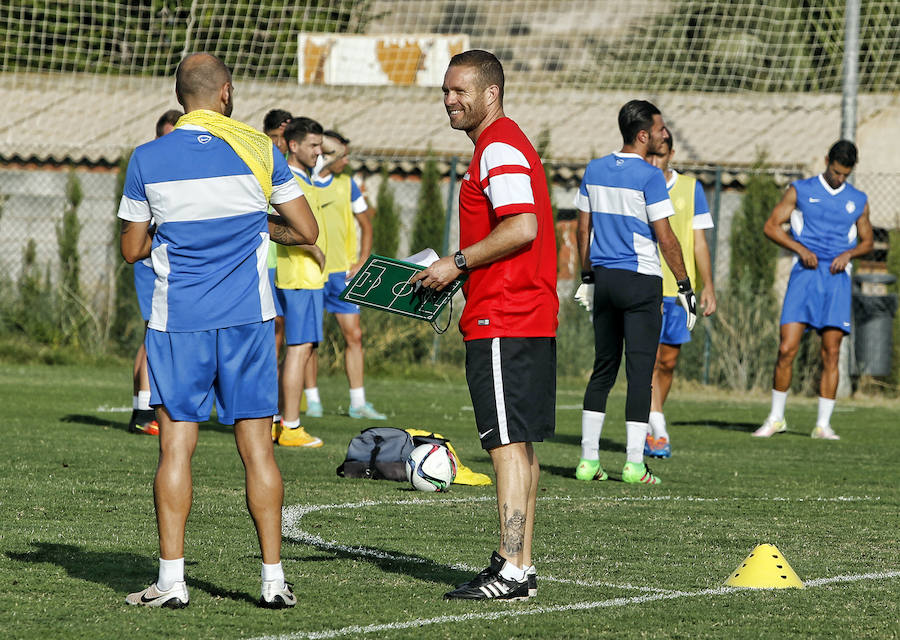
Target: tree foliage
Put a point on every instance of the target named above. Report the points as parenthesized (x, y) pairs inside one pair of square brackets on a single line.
[(752, 254), (386, 225), (256, 39), (428, 229)]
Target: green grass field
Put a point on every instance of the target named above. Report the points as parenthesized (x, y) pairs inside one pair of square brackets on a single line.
[(371, 559)]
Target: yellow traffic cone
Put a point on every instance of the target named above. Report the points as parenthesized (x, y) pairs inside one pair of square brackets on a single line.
[(765, 568)]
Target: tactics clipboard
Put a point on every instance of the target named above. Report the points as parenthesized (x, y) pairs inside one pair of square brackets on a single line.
[(383, 283)]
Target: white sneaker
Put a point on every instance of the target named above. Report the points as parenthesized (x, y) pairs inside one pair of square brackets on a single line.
[(824, 433), (277, 594), (770, 427), (174, 598)]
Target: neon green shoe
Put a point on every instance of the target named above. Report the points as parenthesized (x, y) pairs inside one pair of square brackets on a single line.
[(588, 470), (639, 473)]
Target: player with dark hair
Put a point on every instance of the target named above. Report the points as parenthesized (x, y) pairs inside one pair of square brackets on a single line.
[(167, 121), (508, 251), (689, 225), (143, 417), (343, 208), (273, 126), (623, 210), (299, 283), (207, 187), (829, 226)]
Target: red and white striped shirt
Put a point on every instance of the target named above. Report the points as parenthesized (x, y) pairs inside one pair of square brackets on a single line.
[(514, 296)]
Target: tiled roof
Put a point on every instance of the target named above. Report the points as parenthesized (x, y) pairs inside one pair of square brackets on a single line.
[(92, 119), (88, 119)]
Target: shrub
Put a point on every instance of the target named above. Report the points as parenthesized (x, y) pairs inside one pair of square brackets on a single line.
[(386, 226), (428, 229)]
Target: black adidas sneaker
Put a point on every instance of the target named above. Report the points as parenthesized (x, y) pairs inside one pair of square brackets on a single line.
[(490, 585)]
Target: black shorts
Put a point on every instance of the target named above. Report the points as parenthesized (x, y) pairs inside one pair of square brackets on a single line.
[(512, 382)]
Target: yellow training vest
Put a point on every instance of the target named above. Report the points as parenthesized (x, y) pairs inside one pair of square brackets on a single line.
[(337, 213), (295, 268), (682, 196)]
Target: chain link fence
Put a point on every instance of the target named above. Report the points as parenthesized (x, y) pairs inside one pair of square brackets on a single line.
[(33, 200)]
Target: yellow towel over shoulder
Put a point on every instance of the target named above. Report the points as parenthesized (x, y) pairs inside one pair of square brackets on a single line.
[(252, 146)]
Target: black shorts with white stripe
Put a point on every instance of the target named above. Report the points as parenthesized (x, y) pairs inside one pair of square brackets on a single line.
[(512, 382)]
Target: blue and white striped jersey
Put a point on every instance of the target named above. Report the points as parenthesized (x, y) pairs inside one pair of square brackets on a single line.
[(624, 194), (211, 243)]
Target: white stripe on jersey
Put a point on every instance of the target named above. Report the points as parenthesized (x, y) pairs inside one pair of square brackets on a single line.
[(703, 221), (499, 401), (647, 258), (267, 302), (506, 188), (205, 198), (509, 188), (615, 201), (498, 154), (660, 210), (286, 192), (134, 210), (359, 205), (159, 310), (797, 222)]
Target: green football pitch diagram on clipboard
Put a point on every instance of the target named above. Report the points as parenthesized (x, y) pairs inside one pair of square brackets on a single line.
[(383, 283)]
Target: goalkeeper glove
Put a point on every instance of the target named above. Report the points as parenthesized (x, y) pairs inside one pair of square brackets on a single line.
[(584, 296), (689, 301)]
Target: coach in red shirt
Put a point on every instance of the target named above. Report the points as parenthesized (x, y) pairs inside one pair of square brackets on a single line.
[(508, 251)]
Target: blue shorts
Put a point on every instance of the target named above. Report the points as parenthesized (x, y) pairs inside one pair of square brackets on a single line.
[(817, 297), (279, 310), (235, 367), (674, 323), (302, 315), (144, 277), (335, 285)]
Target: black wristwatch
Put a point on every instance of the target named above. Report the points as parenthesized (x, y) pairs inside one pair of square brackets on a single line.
[(460, 261)]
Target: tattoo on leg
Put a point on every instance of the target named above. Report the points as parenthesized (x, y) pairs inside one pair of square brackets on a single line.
[(514, 530)]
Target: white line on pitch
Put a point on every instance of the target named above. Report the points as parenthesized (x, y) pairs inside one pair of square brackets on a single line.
[(577, 606), (290, 527), (292, 531)]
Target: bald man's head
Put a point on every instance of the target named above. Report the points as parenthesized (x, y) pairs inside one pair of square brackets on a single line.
[(202, 81)]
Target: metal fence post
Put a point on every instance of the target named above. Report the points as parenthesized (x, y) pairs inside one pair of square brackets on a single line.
[(713, 244)]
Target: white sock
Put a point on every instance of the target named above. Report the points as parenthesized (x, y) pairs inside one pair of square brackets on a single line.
[(779, 399), (636, 434), (312, 394), (826, 406), (290, 424), (512, 572), (591, 428), (134, 402), (170, 572), (357, 397), (276, 417), (143, 399), (658, 425), (530, 571), (272, 572)]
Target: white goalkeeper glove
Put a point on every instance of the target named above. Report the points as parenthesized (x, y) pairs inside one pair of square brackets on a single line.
[(689, 301), (584, 296)]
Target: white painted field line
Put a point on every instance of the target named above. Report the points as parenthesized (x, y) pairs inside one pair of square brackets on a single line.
[(356, 630), (291, 530), (105, 409), (292, 515)]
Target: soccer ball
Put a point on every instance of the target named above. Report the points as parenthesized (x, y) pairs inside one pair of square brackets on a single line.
[(430, 467)]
